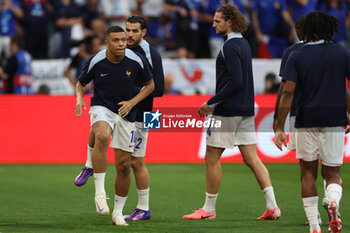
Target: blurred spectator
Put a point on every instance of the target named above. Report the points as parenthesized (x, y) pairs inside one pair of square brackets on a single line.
[(17, 75), (301, 7), (273, 27), (90, 45), (67, 17), (9, 11), (186, 27), (340, 10), (90, 13), (117, 11), (151, 10), (271, 84), (93, 20), (43, 89), (209, 9), (35, 26), (168, 84), (162, 35)]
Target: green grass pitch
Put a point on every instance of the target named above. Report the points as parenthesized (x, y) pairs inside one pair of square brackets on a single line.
[(43, 198)]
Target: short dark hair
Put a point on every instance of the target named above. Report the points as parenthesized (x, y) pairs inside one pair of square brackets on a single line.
[(114, 29), (239, 22), (319, 26), (18, 40), (137, 19)]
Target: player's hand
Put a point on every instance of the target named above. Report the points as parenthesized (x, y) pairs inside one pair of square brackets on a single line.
[(78, 106), (280, 139), (125, 108), (204, 110)]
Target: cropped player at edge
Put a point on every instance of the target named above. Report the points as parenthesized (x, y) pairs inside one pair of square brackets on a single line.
[(319, 69), (114, 71), (135, 31), (233, 104), (291, 143)]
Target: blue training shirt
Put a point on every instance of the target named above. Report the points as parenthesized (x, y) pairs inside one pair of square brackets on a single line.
[(114, 82), (234, 78), (154, 61), (285, 57), (319, 70)]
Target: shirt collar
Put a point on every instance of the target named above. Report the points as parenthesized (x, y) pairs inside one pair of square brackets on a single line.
[(315, 42), (233, 35)]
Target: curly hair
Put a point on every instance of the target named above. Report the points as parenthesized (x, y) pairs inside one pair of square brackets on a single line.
[(230, 12), (318, 25)]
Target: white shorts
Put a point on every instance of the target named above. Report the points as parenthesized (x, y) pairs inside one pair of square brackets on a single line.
[(101, 113), (328, 142), (123, 136), (141, 137), (234, 131), (123, 131), (291, 143)]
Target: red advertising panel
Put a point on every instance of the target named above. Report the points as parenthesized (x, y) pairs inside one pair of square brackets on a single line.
[(44, 129)]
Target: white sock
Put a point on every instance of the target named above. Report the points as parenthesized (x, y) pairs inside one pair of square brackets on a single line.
[(89, 157), (325, 188), (311, 210), (270, 198), (119, 203), (210, 202), (143, 199), (99, 183), (334, 193)]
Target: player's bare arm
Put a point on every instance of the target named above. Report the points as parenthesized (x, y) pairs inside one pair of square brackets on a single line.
[(283, 110), (79, 92), (126, 106), (274, 126)]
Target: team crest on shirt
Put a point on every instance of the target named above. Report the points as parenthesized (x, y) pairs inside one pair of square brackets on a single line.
[(94, 116), (128, 73)]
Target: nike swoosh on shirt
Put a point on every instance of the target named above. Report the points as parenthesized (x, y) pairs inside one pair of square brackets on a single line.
[(102, 75)]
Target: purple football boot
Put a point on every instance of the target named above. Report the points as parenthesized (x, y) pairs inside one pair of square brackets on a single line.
[(84, 175), (138, 215)]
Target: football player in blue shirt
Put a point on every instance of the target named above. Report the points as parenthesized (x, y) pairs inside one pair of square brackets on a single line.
[(319, 69), (114, 71), (135, 31), (286, 53), (233, 105)]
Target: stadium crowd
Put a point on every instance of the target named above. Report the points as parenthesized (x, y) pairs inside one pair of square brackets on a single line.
[(178, 28)]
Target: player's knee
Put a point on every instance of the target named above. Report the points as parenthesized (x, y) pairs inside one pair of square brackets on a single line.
[(123, 167), (211, 161), (137, 164), (248, 162), (102, 138)]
